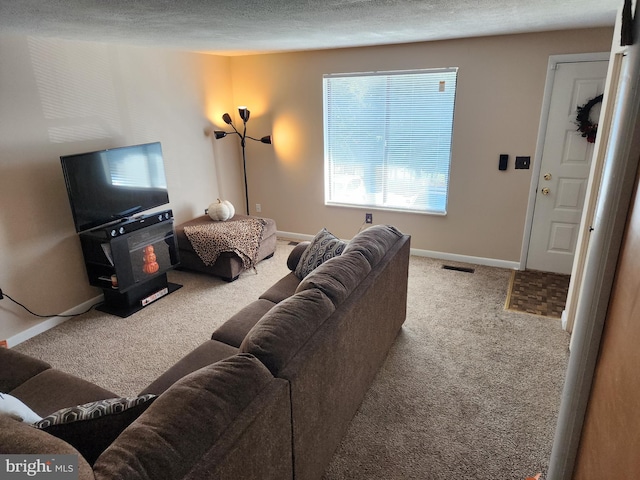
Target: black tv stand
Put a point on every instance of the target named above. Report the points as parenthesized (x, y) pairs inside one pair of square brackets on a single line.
[(129, 261), (124, 304)]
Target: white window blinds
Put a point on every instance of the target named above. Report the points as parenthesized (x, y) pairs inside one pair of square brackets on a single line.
[(388, 139)]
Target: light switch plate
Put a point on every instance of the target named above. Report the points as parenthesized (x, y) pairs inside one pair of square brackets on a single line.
[(523, 163)]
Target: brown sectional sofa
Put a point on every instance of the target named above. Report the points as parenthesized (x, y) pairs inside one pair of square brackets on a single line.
[(269, 396)]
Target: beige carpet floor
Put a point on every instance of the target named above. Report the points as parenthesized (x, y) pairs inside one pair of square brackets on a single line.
[(468, 391)]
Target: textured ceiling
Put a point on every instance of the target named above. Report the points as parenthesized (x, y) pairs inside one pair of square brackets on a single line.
[(254, 26)]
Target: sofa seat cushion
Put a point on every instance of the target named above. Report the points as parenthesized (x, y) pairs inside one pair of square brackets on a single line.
[(283, 288), (184, 422), (323, 247), (205, 354), (91, 427), (374, 242), (52, 390), (233, 331), (17, 368), (285, 329), (338, 277), (19, 438)]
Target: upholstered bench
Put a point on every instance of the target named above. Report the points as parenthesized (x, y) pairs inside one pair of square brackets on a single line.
[(232, 259)]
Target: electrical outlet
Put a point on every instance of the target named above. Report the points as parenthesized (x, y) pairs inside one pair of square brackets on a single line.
[(258, 207), (368, 218)]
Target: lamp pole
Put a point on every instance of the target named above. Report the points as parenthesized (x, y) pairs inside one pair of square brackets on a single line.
[(244, 115), (244, 166)]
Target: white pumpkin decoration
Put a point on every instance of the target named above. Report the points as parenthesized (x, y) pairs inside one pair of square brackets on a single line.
[(221, 211), (232, 210)]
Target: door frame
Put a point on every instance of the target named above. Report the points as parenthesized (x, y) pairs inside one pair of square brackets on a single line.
[(554, 60), (621, 159)]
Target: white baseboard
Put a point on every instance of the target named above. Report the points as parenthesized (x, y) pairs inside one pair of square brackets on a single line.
[(49, 323), (54, 321), (453, 257), (294, 236), (489, 262)]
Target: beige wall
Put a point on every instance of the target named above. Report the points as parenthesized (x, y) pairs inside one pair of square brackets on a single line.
[(501, 82), (60, 97)]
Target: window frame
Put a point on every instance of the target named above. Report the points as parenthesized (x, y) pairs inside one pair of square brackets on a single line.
[(329, 176)]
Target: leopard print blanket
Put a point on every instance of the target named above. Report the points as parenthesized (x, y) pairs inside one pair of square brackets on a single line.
[(241, 237)]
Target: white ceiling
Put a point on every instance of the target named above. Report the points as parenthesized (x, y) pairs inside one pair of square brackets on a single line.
[(253, 26)]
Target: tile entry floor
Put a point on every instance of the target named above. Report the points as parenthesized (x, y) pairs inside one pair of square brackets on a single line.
[(540, 293)]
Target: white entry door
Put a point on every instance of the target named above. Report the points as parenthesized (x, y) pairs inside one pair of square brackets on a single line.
[(564, 170)]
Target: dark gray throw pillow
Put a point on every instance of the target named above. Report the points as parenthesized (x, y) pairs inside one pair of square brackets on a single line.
[(323, 247), (92, 427)]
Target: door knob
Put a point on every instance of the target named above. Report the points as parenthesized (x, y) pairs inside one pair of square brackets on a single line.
[(545, 191), (547, 176)]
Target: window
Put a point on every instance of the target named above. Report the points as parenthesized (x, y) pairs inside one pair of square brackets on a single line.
[(388, 139)]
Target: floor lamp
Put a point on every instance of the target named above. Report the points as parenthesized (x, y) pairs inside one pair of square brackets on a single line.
[(244, 115)]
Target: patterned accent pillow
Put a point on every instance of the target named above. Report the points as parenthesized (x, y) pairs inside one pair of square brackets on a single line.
[(323, 247), (92, 427)]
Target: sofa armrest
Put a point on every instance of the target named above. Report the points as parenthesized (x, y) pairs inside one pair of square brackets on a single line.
[(296, 253), (20, 438)]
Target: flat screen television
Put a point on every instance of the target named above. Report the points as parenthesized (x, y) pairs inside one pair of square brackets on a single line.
[(110, 185)]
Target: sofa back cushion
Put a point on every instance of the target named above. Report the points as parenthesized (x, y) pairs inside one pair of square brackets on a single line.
[(284, 329), (337, 277), (183, 424), (52, 389), (17, 368), (374, 242)]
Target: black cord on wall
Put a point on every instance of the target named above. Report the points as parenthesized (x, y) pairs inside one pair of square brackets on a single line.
[(3, 295)]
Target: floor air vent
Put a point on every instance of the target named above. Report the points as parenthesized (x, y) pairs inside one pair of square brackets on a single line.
[(458, 269)]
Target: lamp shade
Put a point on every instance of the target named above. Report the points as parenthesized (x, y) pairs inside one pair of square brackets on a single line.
[(244, 113), (219, 134), (266, 139), (226, 118)]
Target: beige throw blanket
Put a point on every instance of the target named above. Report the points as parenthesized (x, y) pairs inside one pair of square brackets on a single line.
[(241, 237)]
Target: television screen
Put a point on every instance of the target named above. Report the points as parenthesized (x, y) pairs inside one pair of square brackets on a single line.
[(109, 185)]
